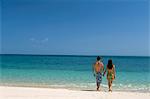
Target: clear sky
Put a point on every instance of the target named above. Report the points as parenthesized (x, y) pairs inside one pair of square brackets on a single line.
[(75, 27)]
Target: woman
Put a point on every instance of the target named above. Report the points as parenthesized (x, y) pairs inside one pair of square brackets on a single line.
[(110, 73)]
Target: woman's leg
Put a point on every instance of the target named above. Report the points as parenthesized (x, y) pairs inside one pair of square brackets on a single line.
[(109, 84)]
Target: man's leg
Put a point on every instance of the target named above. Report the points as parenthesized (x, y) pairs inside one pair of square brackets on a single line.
[(98, 84)]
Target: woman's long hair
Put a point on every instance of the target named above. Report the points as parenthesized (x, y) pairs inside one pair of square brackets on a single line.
[(109, 65)]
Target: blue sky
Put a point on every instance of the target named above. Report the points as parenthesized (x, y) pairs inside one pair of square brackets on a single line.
[(80, 27)]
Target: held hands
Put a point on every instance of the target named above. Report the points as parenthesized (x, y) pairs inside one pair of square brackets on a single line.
[(103, 74)]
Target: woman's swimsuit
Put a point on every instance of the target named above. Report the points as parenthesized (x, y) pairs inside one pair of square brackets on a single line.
[(110, 75)]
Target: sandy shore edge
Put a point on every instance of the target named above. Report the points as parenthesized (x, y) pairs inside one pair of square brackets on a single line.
[(51, 93)]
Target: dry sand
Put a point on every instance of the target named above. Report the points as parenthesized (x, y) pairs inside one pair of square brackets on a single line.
[(51, 93)]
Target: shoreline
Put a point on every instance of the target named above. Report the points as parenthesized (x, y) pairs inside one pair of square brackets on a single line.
[(77, 89), (7, 92)]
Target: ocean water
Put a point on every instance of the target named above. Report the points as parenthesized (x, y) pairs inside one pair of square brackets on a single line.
[(73, 72)]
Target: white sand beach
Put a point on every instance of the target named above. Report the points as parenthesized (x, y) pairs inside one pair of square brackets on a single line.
[(50, 93)]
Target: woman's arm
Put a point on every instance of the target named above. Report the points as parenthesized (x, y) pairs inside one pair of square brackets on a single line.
[(114, 71)]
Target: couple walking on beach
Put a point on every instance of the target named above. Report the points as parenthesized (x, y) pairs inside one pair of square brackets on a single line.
[(99, 71)]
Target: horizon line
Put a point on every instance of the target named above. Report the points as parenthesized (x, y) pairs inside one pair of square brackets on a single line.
[(76, 55)]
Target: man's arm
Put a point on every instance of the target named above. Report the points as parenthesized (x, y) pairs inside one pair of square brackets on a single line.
[(93, 69), (103, 66), (104, 72)]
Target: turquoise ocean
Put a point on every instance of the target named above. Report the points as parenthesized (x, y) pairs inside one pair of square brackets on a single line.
[(73, 72)]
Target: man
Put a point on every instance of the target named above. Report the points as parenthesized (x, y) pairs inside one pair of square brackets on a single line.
[(98, 69)]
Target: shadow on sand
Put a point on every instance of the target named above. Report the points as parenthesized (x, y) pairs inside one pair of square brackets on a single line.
[(95, 90), (89, 90)]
